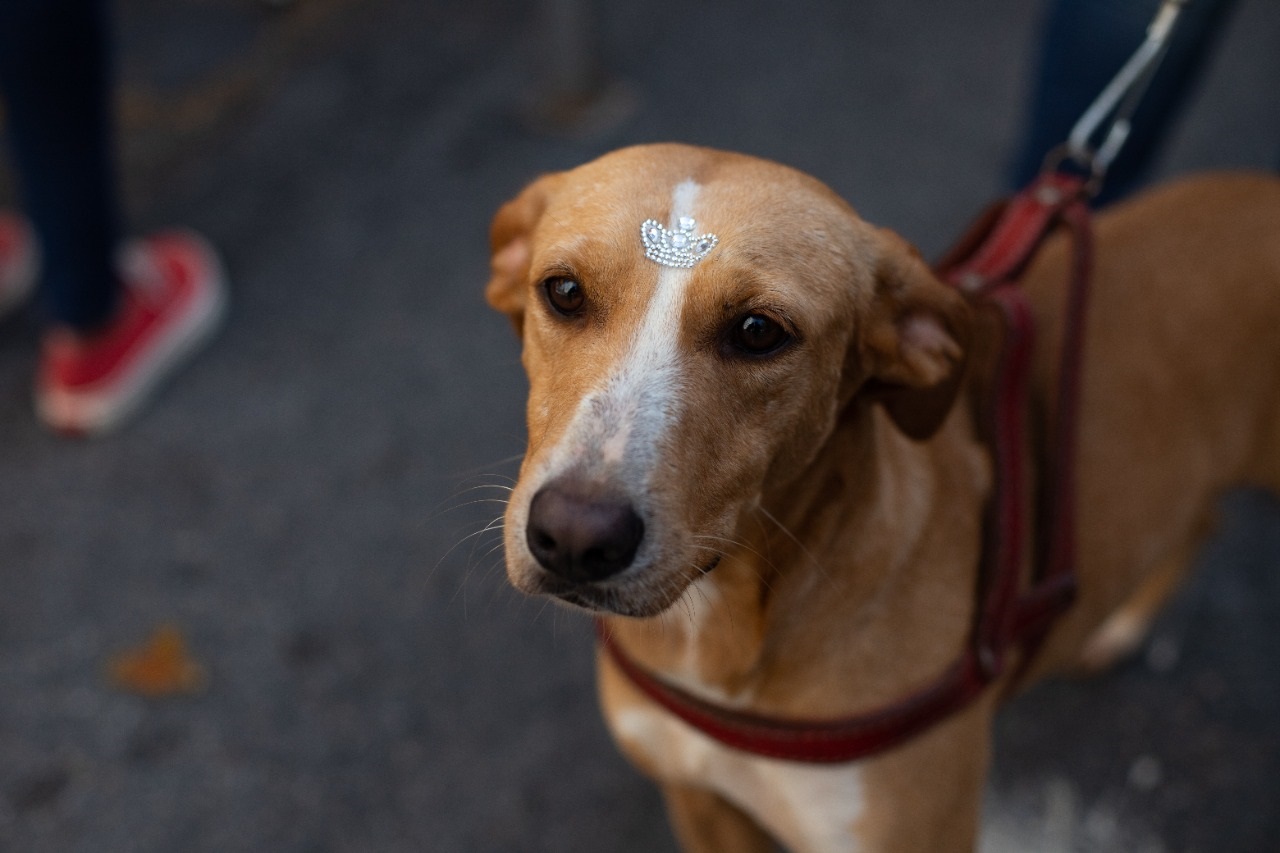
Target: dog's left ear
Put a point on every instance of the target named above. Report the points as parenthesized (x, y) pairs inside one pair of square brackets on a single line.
[(510, 244), (916, 341)]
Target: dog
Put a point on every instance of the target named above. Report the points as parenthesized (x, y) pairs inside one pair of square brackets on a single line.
[(752, 455)]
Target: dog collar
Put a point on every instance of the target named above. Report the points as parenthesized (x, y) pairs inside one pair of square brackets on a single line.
[(986, 265)]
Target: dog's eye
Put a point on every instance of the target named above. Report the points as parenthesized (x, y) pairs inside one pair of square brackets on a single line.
[(757, 334), (565, 295)]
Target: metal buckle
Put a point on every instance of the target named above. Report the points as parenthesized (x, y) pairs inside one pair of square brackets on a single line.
[(1110, 114)]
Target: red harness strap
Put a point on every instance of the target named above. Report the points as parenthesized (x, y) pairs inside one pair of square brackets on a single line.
[(986, 265)]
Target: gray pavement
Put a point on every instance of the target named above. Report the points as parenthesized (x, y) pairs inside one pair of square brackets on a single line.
[(302, 501)]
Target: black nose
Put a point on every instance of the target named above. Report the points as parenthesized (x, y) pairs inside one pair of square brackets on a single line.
[(580, 536)]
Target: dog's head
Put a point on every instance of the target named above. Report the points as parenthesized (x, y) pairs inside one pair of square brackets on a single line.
[(680, 370)]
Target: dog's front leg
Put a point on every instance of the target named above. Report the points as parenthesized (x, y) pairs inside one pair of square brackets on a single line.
[(705, 822)]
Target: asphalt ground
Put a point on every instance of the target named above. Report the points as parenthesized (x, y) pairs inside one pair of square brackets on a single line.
[(308, 502)]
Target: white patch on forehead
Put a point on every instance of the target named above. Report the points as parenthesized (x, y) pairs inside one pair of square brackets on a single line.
[(624, 420), (682, 199)]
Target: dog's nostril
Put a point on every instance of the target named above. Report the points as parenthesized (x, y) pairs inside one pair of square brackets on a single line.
[(580, 536)]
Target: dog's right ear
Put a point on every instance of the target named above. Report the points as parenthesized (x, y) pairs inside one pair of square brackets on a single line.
[(511, 249)]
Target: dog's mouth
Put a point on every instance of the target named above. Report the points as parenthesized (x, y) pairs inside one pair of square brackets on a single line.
[(592, 544), (635, 598)]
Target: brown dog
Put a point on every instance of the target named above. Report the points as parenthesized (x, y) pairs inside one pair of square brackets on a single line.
[(717, 462)]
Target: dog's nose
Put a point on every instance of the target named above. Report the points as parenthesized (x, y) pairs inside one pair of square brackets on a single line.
[(580, 536)]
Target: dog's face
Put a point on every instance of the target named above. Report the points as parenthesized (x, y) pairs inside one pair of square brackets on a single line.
[(665, 399)]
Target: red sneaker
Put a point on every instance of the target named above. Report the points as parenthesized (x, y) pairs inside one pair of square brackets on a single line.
[(17, 262), (173, 299)]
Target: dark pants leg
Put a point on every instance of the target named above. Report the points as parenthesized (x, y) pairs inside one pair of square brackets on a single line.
[(56, 83), (1084, 43)]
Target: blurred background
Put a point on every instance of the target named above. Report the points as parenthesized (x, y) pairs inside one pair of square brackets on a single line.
[(307, 504)]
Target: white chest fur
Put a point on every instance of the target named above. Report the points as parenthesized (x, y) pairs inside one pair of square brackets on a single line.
[(810, 808)]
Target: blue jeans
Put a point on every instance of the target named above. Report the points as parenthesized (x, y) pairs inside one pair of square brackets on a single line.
[(55, 80), (1084, 43)]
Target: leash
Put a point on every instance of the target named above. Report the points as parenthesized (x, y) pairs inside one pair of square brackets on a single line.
[(1108, 117), (1010, 624)]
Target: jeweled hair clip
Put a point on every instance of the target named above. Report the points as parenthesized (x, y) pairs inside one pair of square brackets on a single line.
[(678, 248)]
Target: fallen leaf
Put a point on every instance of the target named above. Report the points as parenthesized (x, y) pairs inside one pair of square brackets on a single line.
[(159, 667)]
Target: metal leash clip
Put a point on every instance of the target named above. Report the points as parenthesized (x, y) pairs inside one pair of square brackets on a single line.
[(1112, 110)]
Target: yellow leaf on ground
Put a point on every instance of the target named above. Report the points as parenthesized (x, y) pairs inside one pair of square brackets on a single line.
[(159, 667)]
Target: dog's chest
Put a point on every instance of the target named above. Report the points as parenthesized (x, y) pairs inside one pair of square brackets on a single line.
[(807, 807)]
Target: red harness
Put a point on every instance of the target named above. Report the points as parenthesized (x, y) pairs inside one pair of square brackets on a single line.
[(986, 265)]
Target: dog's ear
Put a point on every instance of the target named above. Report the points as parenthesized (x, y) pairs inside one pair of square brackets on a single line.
[(511, 249), (915, 344)]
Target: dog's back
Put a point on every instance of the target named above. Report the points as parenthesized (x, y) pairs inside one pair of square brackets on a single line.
[(1181, 393)]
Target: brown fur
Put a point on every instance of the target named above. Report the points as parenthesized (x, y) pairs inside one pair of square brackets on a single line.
[(840, 480)]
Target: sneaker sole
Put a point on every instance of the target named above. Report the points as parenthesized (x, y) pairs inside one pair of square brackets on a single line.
[(86, 413)]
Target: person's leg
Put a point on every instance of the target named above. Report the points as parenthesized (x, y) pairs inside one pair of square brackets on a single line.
[(56, 85), (1083, 44), (113, 339)]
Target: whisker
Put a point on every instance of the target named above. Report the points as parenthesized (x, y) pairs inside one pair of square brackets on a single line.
[(688, 610), (502, 487), (734, 543), (502, 502), (761, 576), (498, 524), (546, 602), (809, 554), (455, 503), (461, 489), (482, 470), (707, 602), (494, 525), (507, 485), (723, 604)]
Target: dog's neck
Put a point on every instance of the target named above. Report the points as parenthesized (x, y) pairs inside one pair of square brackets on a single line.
[(851, 584)]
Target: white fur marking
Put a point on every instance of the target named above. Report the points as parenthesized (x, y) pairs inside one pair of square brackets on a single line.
[(625, 419), (809, 808), (688, 620), (1117, 638), (650, 373)]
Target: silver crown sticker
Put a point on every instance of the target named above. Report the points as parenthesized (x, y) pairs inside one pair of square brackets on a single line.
[(678, 248)]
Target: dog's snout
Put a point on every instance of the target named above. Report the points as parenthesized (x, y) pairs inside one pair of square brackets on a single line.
[(579, 536)]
